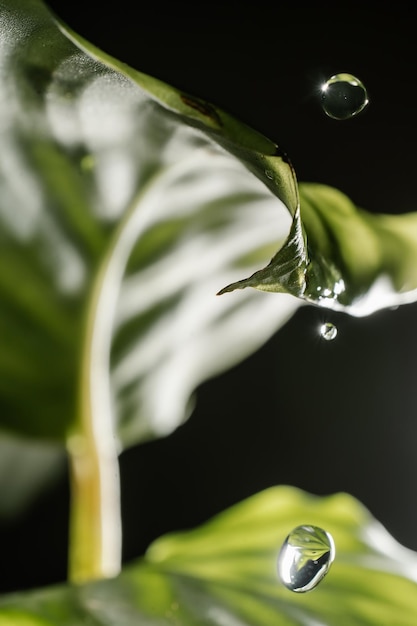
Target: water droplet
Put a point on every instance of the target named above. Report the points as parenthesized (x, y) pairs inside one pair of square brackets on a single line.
[(343, 96), (305, 558), (328, 331), (269, 174)]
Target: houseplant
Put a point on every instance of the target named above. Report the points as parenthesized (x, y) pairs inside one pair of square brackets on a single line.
[(72, 175)]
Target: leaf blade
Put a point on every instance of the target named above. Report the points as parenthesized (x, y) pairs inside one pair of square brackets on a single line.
[(224, 572), (341, 257), (74, 119)]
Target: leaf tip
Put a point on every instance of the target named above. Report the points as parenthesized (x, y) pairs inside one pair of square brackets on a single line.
[(232, 287)]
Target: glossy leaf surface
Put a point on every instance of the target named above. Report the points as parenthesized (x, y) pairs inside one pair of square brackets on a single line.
[(341, 257)]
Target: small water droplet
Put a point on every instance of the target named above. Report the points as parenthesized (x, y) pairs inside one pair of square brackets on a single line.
[(328, 331), (305, 558), (343, 96), (269, 174)]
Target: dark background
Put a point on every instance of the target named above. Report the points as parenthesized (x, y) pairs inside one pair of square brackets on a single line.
[(323, 416)]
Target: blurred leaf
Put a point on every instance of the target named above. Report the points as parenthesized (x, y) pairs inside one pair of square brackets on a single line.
[(125, 205), (224, 573), (26, 467), (341, 257)]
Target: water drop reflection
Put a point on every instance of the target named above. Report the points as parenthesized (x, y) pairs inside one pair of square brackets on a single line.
[(328, 331), (305, 558), (343, 96)]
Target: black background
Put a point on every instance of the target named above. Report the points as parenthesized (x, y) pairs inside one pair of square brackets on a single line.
[(324, 416)]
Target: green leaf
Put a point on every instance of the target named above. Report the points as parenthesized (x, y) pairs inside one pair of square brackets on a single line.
[(125, 205), (341, 257), (26, 467), (225, 573)]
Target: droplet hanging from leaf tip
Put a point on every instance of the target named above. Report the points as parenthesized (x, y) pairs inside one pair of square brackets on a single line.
[(343, 96), (305, 558)]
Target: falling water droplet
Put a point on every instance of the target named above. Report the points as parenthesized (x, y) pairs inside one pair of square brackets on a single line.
[(305, 558), (343, 96), (328, 331)]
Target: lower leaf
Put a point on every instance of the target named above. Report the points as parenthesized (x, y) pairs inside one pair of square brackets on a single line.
[(224, 573)]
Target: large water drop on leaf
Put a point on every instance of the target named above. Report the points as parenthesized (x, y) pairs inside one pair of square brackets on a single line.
[(343, 96), (305, 558)]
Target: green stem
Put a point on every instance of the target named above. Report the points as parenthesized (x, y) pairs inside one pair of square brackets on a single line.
[(95, 525), (95, 520)]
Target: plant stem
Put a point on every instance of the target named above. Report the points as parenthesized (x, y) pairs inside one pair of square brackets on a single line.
[(95, 541), (95, 525), (95, 519)]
